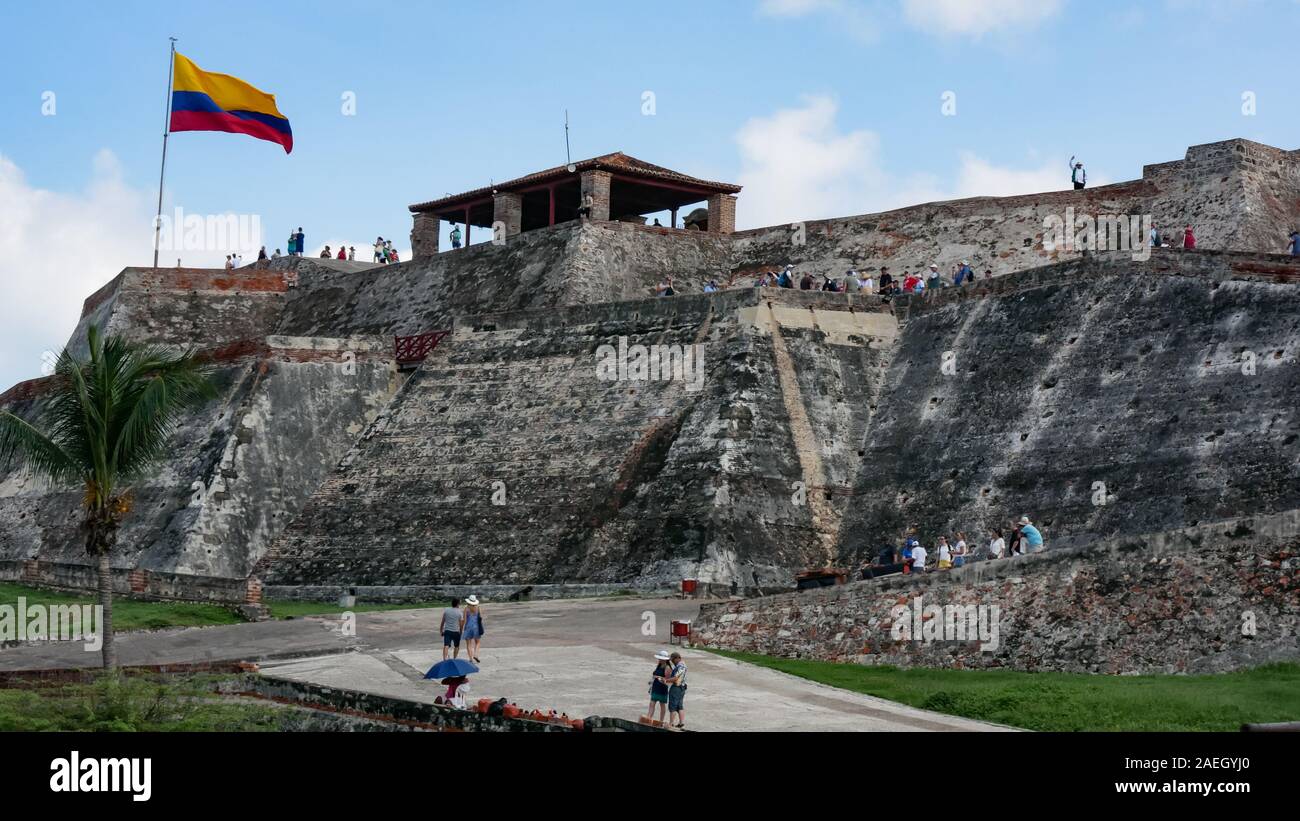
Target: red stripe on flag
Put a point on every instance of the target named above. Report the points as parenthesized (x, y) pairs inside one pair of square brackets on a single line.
[(220, 121)]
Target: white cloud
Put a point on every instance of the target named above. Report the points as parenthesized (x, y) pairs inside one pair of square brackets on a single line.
[(980, 178), (796, 8), (56, 250), (797, 165), (973, 18), (856, 19), (794, 164), (977, 17)]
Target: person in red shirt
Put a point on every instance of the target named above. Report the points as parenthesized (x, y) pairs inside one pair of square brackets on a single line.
[(343, 252), (1189, 239)]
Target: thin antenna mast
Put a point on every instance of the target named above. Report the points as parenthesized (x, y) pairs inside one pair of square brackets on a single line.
[(568, 158)]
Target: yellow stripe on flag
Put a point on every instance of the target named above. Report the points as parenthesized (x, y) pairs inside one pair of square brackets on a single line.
[(230, 93)]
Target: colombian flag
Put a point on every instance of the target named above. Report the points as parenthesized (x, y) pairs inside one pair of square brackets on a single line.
[(203, 101)]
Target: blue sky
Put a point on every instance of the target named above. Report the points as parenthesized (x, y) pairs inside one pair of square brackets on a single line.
[(819, 107)]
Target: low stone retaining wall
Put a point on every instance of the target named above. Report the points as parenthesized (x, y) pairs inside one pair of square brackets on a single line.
[(413, 714), (402, 594), (135, 583), (1199, 600)]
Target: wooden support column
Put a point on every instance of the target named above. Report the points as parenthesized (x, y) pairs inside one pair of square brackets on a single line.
[(551, 190), (467, 227)]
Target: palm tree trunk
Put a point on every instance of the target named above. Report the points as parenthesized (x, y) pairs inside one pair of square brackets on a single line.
[(106, 602)]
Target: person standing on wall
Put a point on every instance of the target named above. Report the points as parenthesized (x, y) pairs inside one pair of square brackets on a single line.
[(1295, 244), (936, 280), (918, 557), (1189, 239), (473, 633), (301, 240), (945, 553), (455, 236), (959, 550), (1078, 175), (997, 545)]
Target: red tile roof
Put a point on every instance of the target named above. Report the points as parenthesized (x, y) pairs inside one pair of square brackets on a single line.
[(617, 162)]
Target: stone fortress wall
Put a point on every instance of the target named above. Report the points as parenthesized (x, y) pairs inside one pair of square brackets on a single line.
[(341, 470), (1204, 599)]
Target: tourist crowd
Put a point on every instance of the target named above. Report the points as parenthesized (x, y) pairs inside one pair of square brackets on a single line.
[(1019, 538)]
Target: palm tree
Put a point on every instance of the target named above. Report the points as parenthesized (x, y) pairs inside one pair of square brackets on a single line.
[(106, 423)]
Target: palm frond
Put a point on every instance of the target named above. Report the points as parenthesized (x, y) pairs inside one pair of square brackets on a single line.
[(153, 387), (22, 445)]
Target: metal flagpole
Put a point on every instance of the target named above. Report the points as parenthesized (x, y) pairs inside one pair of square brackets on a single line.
[(167, 127)]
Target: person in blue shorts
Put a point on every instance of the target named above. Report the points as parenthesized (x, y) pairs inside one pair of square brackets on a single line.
[(453, 621), (677, 691)]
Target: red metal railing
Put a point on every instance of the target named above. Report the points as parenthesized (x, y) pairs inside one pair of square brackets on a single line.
[(411, 350)]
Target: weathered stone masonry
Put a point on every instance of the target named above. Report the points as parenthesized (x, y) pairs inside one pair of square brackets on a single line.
[(827, 396), (1197, 600)]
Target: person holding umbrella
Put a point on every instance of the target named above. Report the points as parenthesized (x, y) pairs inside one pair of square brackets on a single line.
[(473, 632), (454, 673)]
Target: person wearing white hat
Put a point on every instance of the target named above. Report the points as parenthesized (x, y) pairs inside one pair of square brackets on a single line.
[(658, 688), (473, 632)]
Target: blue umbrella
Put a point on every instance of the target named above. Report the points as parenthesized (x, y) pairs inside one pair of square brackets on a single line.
[(449, 668)]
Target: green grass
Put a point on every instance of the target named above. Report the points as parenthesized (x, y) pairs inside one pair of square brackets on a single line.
[(132, 703), (1069, 701), (133, 614), (298, 609), (128, 614)]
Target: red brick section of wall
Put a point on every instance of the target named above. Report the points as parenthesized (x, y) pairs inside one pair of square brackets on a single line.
[(139, 580), (253, 594), (31, 570), (26, 391), (209, 279)]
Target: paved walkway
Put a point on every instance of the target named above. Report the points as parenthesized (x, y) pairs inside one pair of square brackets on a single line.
[(582, 657)]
